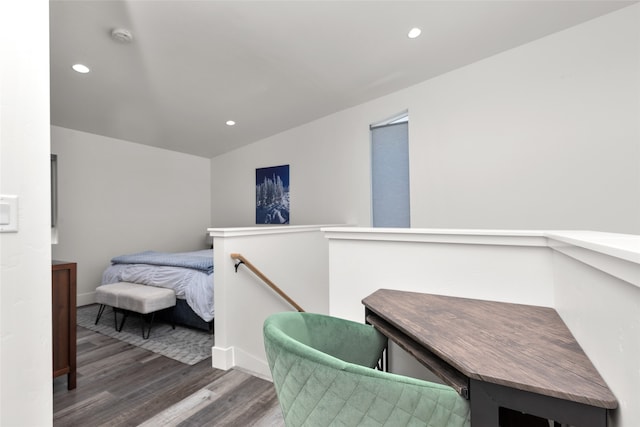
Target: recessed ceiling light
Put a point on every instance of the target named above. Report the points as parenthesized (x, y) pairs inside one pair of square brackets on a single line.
[(414, 32), (230, 123), (80, 68)]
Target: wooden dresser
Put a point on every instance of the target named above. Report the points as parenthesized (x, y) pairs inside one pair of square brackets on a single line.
[(63, 308)]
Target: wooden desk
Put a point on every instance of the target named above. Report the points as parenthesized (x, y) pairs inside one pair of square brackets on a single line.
[(497, 355)]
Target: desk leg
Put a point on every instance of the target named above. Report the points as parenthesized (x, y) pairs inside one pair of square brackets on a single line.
[(485, 411)]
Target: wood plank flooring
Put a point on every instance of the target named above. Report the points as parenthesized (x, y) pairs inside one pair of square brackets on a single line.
[(122, 385)]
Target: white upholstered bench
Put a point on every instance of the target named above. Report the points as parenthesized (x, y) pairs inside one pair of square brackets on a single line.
[(132, 297)]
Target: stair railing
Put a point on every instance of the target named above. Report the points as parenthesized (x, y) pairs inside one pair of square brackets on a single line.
[(242, 260)]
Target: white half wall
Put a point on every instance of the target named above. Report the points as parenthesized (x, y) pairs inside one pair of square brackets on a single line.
[(597, 293), (117, 197), (294, 258), (25, 256), (592, 279), (542, 136), (497, 265)]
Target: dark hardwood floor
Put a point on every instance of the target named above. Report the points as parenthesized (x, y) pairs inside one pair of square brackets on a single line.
[(122, 385)]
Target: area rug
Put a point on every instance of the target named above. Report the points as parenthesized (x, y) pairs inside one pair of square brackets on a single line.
[(183, 344)]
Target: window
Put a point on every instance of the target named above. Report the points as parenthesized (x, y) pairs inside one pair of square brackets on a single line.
[(390, 172)]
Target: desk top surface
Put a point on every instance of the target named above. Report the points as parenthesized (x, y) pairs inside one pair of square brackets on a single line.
[(520, 346)]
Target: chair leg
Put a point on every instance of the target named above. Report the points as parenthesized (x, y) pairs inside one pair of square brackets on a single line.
[(100, 311)]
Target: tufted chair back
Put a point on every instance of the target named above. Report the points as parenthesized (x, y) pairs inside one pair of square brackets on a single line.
[(322, 371)]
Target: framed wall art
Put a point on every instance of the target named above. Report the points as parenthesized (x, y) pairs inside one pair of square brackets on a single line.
[(272, 195)]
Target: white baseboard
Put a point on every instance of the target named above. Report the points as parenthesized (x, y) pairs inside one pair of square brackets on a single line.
[(85, 299), (234, 357), (222, 358)]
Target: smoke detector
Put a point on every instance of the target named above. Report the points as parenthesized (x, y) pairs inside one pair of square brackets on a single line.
[(121, 35)]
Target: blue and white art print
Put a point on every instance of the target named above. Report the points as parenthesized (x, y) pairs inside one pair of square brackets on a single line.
[(272, 195)]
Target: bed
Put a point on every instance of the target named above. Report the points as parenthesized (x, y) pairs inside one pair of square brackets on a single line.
[(189, 274)]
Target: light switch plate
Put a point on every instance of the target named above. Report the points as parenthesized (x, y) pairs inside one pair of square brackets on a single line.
[(8, 214), (5, 214)]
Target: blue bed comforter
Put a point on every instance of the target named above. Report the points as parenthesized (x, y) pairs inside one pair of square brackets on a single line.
[(185, 260)]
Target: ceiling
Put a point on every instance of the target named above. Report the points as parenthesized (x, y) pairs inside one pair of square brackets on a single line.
[(268, 65)]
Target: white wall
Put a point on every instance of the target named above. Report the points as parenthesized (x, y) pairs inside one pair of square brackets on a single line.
[(294, 258), (119, 197), (544, 136), (25, 268), (326, 174)]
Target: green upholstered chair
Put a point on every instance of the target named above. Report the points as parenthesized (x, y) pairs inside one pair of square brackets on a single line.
[(322, 369)]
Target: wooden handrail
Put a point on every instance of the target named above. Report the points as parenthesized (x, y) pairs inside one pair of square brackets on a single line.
[(265, 279)]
